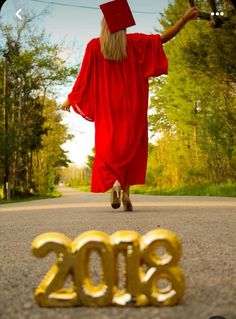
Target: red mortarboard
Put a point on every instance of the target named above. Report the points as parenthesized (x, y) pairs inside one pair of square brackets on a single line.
[(118, 15)]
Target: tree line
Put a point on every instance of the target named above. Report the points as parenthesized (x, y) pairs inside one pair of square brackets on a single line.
[(31, 133)]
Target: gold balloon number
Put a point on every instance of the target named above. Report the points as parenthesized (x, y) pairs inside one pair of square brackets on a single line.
[(50, 292), (81, 248), (152, 275), (163, 282)]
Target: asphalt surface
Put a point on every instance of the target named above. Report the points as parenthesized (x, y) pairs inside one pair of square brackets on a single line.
[(206, 226)]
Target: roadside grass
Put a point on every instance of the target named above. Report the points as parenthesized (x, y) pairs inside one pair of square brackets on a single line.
[(220, 190), (53, 194), (85, 188)]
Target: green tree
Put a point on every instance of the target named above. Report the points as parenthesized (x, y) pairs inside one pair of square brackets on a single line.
[(32, 70), (50, 157), (194, 106), (90, 159)]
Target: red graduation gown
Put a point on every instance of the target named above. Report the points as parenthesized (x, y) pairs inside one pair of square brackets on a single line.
[(115, 96)]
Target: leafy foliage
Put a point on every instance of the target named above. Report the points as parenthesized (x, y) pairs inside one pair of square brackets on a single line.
[(31, 133), (194, 107)]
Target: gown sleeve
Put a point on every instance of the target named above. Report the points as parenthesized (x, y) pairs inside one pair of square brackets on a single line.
[(81, 97), (152, 56)]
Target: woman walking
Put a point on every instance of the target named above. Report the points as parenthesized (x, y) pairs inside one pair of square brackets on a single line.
[(112, 90)]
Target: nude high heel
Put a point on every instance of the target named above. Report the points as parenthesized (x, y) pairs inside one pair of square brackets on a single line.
[(116, 195)]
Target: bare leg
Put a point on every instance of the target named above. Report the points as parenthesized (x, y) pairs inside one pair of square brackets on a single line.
[(126, 191), (116, 184), (128, 207)]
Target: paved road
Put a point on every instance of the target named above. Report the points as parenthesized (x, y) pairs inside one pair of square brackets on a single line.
[(205, 225)]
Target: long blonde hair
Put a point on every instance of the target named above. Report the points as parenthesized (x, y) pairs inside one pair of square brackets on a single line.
[(113, 45)]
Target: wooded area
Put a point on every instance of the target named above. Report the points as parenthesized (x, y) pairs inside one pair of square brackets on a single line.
[(194, 107), (31, 133)]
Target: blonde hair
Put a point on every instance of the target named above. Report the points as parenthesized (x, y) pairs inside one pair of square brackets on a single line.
[(113, 45)]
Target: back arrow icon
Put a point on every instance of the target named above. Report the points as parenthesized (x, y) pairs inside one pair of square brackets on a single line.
[(18, 14)]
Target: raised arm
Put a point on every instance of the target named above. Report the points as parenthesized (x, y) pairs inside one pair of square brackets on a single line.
[(190, 13)]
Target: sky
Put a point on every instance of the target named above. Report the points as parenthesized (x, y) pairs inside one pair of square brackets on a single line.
[(76, 26)]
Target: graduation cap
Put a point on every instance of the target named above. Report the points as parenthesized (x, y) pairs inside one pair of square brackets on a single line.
[(117, 14)]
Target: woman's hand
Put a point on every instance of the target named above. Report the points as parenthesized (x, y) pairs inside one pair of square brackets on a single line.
[(190, 14), (65, 106)]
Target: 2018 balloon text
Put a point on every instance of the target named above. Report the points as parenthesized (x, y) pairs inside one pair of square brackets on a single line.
[(152, 275)]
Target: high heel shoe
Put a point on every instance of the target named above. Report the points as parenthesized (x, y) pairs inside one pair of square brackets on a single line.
[(128, 207), (116, 196)]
